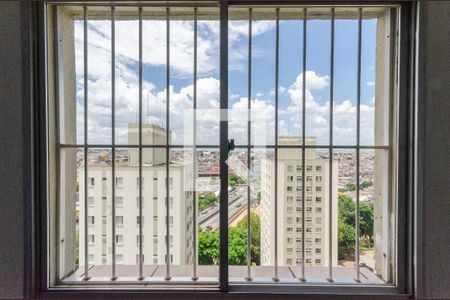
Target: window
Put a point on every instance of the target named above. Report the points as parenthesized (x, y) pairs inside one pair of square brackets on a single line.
[(119, 182), (119, 259), (130, 76), (119, 201), (91, 201), (119, 220), (91, 239), (119, 238)]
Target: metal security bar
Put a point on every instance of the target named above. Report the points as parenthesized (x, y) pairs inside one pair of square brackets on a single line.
[(113, 140), (85, 80), (277, 54), (358, 133), (194, 154), (167, 143), (141, 262), (330, 152), (305, 31), (249, 128)]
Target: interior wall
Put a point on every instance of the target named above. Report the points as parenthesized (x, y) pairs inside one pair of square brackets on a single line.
[(11, 151), (433, 259)]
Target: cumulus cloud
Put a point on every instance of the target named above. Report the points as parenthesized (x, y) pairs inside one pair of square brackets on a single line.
[(181, 98)]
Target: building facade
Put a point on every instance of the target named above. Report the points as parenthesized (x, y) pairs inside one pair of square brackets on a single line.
[(289, 207), (127, 218)]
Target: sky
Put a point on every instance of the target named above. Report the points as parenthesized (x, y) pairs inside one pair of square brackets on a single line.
[(317, 92)]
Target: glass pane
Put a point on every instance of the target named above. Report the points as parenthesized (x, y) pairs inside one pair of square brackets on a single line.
[(290, 74), (127, 79), (317, 94), (98, 200), (154, 68), (345, 77)]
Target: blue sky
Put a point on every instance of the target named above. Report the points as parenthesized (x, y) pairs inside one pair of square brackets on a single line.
[(263, 77)]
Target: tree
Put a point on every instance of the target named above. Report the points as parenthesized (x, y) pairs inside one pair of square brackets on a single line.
[(346, 207), (346, 237), (255, 236), (351, 187), (237, 246), (366, 184), (366, 219), (234, 179), (206, 200), (208, 247)]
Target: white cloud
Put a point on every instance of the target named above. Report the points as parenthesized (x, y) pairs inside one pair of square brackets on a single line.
[(370, 83), (127, 90)]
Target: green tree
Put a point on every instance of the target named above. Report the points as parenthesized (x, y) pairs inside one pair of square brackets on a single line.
[(346, 237), (351, 187), (366, 219), (366, 184), (206, 200), (237, 246), (255, 236), (208, 247), (346, 209), (234, 179)]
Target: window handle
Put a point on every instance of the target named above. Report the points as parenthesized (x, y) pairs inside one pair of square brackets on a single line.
[(231, 145)]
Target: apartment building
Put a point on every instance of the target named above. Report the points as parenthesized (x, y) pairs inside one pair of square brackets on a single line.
[(289, 207), (127, 217)]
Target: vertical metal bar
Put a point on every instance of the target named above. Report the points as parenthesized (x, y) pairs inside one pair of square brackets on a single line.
[(330, 153), (277, 54), (358, 125), (249, 107), (223, 219), (194, 154), (85, 50), (113, 139), (167, 143), (305, 16), (141, 262)]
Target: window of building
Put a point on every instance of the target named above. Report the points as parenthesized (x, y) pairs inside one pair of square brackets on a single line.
[(119, 238), (91, 239), (119, 220), (119, 201), (91, 201), (128, 77), (119, 182)]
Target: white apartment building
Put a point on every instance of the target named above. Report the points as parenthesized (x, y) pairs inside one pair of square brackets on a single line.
[(289, 204), (127, 206)]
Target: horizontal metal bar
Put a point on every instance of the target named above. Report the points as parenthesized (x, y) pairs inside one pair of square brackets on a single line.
[(100, 146)]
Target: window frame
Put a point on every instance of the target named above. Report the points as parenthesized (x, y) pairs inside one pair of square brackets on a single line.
[(40, 285)]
